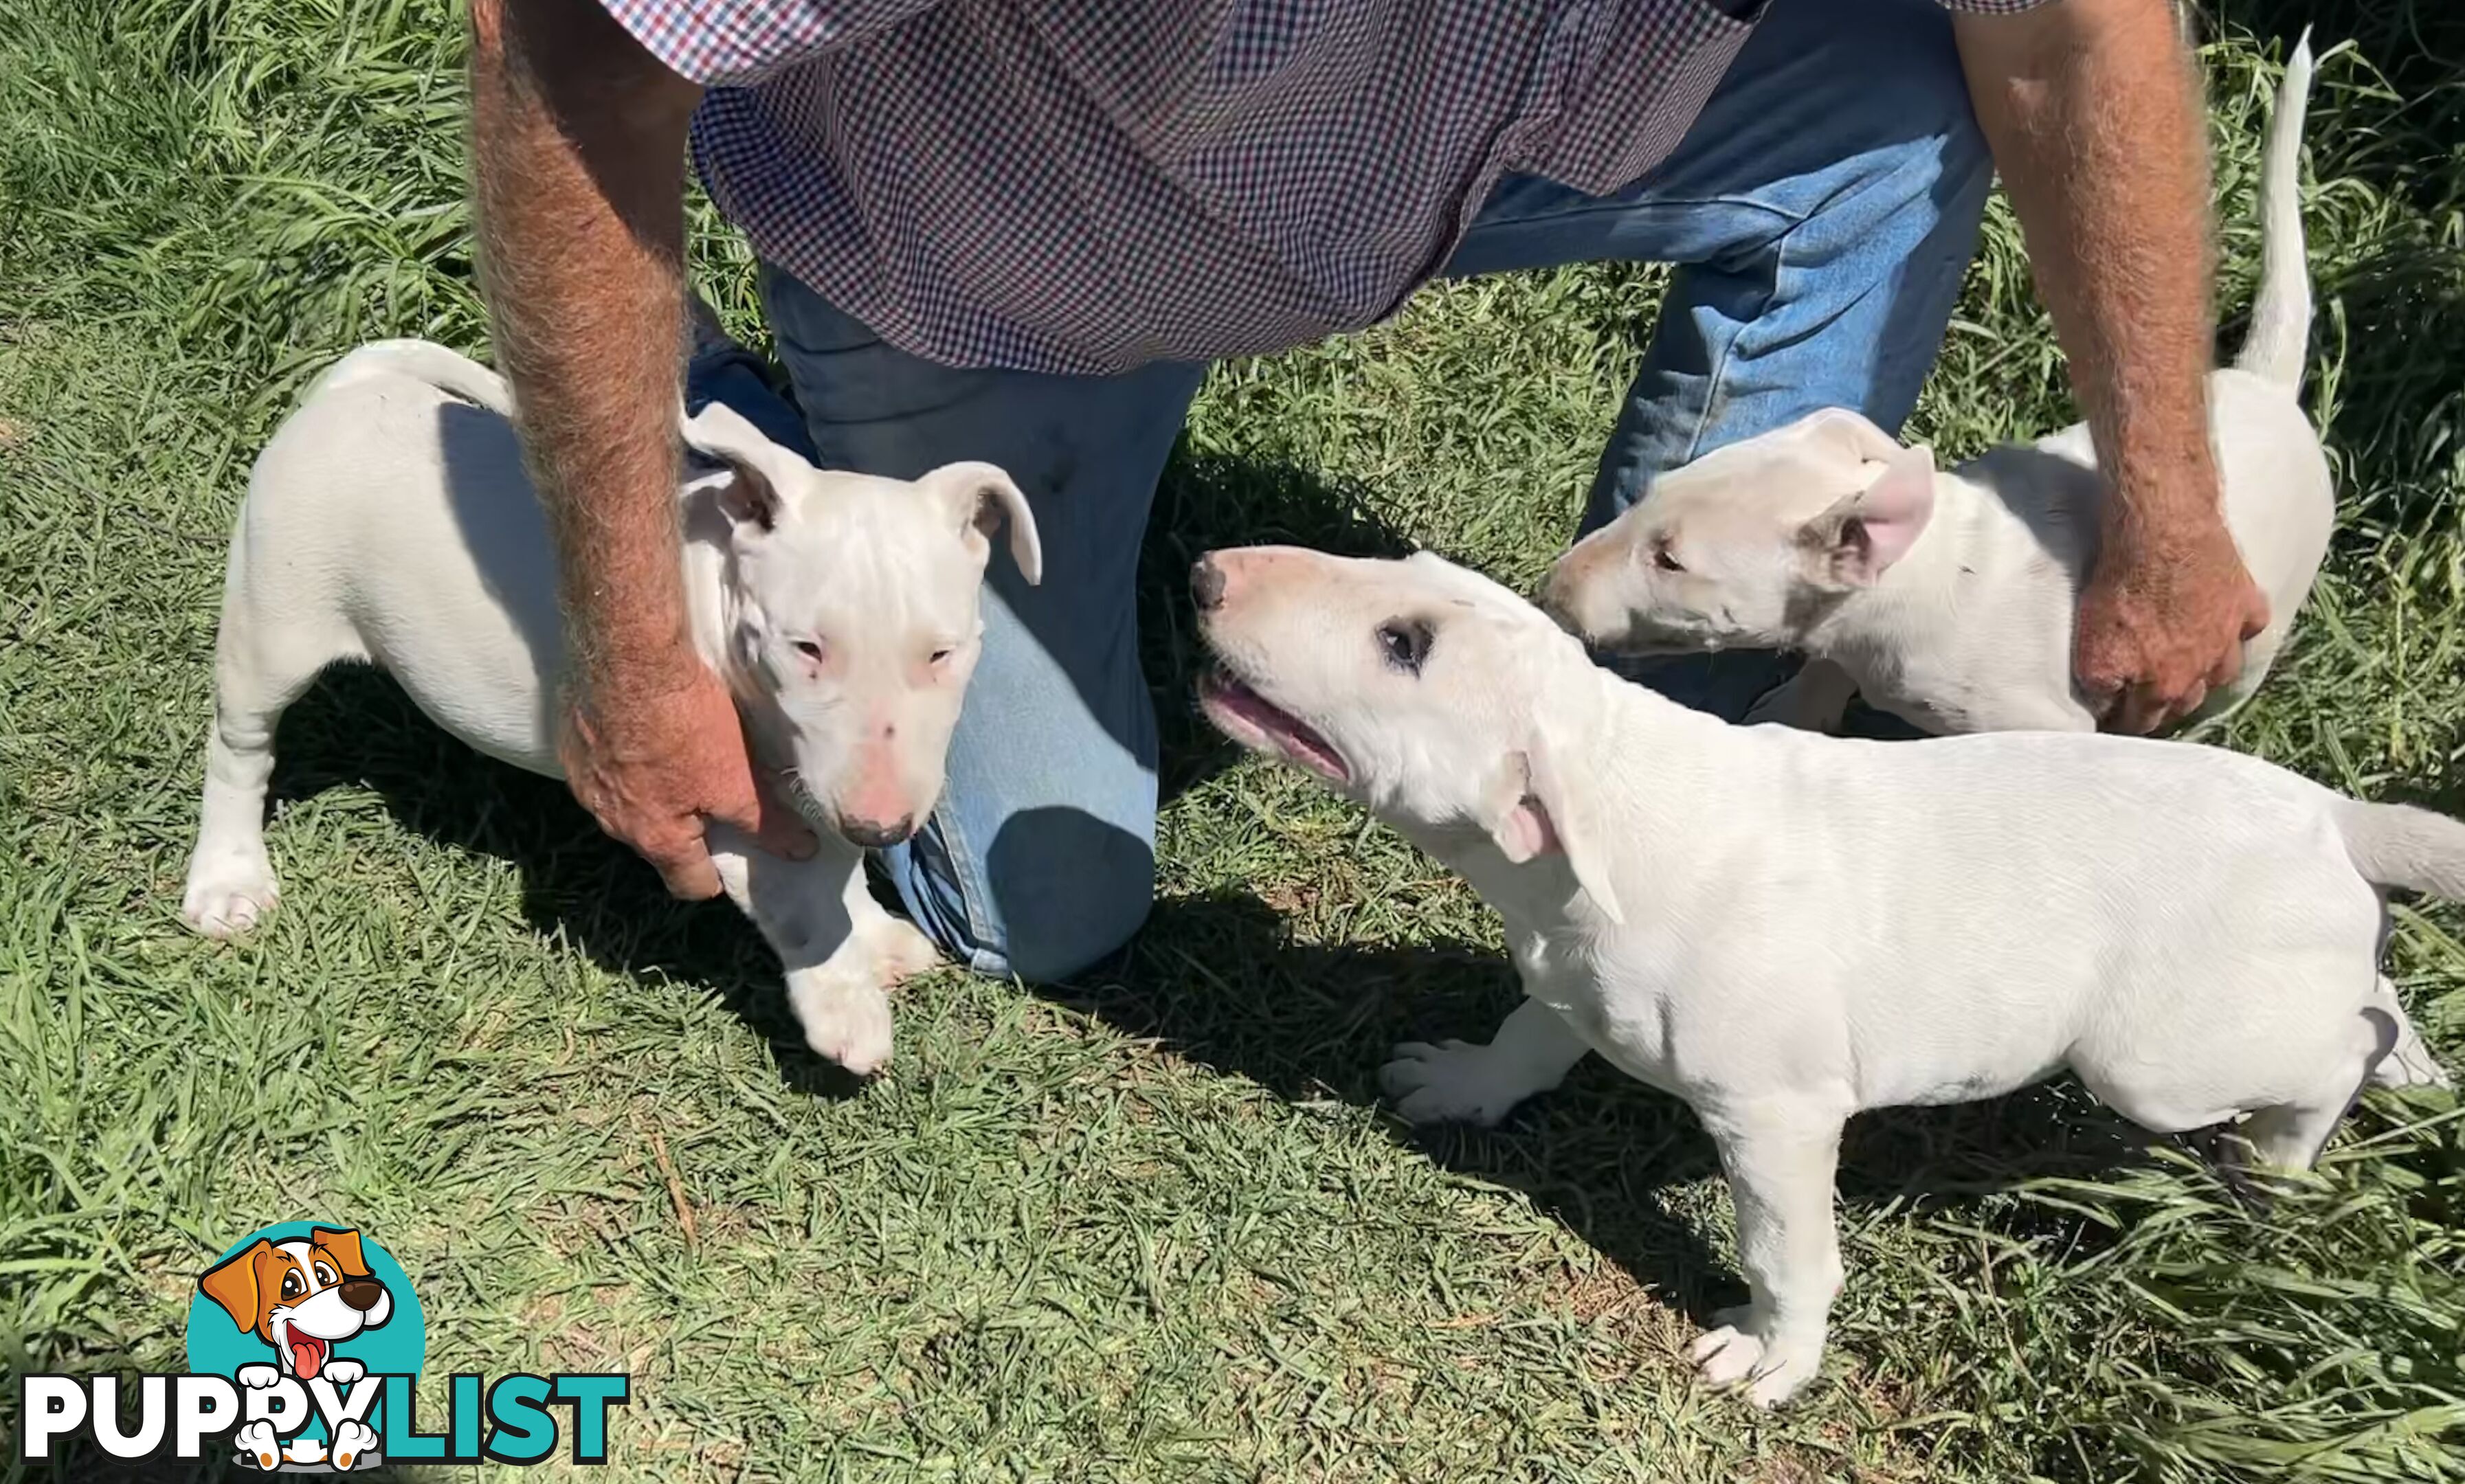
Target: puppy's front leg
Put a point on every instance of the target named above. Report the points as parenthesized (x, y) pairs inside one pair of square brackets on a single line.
[(1781, 1158), (1457, 1081), (841, 951)]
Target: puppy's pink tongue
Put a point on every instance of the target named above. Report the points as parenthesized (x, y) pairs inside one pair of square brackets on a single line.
[(307, 1354)]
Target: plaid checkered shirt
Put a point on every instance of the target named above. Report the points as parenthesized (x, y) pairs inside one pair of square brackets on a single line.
[(1084, 186)]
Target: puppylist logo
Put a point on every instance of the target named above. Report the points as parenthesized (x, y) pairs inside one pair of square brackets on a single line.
[(304, 1344)]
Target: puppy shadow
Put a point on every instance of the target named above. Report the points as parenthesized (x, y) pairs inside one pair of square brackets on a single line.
[(1221, 980), (356, 728)]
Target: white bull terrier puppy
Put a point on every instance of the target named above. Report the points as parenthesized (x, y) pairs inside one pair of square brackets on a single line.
[(1785, 928), (389, 521), (1947, 599)]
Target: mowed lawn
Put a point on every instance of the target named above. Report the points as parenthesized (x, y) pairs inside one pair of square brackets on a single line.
[(1152, 1225)]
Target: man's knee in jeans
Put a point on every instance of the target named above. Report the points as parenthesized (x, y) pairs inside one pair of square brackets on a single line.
[(1072, 889), (1056, 891)]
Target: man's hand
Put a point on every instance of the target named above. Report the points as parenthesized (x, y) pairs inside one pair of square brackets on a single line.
[(2161, 625), (657, 763), (577, 139), (2092, 112)]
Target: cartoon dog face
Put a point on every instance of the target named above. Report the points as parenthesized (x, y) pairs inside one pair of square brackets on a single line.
[(301, 1296)]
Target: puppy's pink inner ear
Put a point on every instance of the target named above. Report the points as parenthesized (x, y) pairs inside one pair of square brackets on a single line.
[(1864, 534), (1526, 832)]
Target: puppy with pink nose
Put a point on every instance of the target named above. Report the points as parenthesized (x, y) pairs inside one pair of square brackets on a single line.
[(1785, 928), (1947, 597), (389, 523)]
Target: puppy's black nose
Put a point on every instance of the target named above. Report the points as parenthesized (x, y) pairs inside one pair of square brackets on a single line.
[(362, 1293), (1207, 585), (876, 837)]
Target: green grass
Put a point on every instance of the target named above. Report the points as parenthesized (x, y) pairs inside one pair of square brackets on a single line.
[(1152, 1225)]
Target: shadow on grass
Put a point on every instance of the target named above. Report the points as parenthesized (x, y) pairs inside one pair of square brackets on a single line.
[(1220, 981)]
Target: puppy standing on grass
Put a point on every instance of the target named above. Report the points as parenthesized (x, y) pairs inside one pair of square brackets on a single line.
[(389, 521), (1947, 599), (1785, 928)]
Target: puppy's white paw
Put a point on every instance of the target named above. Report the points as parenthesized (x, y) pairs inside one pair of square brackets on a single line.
[(1452, 1082), (229, 893), (341, 1372), (901, 950), (845, 1018), (1732, 1351), (354, 1443), (258, 1445), (257, 1377)]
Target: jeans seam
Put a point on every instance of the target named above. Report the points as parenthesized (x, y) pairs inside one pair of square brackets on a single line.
[(963, 874), (1703, 416)]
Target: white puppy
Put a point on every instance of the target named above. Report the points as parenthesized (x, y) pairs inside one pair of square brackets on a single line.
[(1784, 928), (391, 521), (1947, 599)]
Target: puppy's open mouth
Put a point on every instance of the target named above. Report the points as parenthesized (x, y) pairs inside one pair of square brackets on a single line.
[(1260, 725)]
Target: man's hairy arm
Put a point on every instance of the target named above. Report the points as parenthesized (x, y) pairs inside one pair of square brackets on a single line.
[(2094, 114), (577, 167)]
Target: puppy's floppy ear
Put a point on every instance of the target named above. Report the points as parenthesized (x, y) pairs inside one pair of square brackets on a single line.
[(1850, 434), (980, 497), (751, 500), (232, 1284), (1856, 541), (344, 1247), (1532, 815)]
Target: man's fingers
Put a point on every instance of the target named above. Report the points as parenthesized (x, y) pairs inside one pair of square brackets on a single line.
[(687, 871), (691, 876), (2184, 706), (2139, 712)]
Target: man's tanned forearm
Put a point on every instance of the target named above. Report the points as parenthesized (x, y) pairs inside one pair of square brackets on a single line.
[(2094, 114), (577, 162)]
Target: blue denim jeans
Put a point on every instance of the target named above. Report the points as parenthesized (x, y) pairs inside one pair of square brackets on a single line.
[(1821, 212)]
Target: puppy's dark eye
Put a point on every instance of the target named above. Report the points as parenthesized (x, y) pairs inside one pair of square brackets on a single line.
[(291, 1285), (1405, 642), (1662, 559), (810, 649)]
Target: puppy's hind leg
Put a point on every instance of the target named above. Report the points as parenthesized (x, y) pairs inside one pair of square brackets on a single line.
[(2290, 1136), (2406, 1061), (1781, 1157), (265, 654), (2386, 1051)]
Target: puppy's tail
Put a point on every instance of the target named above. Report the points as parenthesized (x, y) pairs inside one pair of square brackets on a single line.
[(2280, 318), (2399, 845), (422, 360)]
